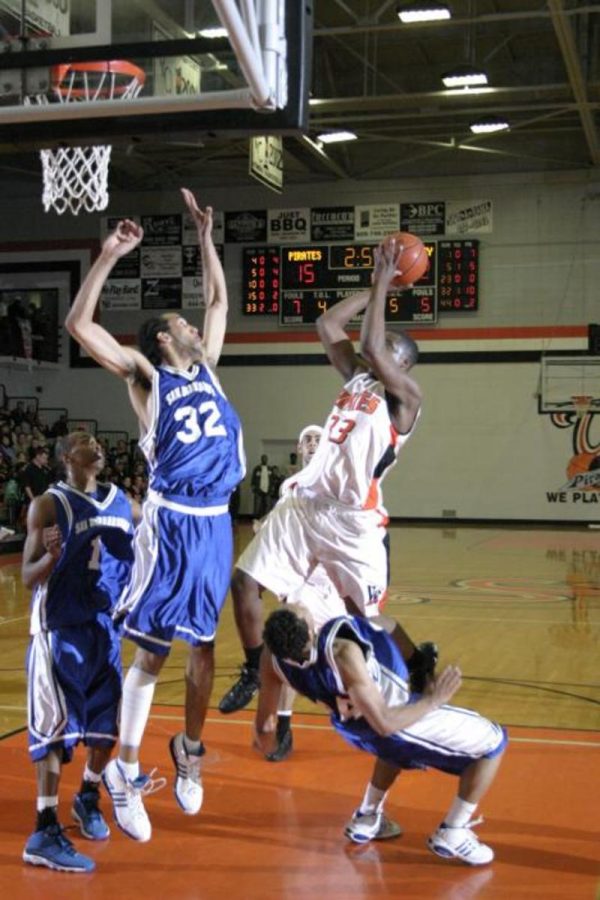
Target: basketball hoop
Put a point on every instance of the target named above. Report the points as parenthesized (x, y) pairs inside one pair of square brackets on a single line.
[(76, 178), (582, 404)]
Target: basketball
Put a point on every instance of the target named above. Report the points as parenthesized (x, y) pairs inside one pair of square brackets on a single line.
[(413, 261)]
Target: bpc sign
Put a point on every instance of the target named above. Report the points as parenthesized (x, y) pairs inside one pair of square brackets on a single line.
[(423, 218)]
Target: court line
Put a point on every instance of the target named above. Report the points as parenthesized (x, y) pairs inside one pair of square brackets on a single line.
[(298, 725), (16, 619), (326, 727)]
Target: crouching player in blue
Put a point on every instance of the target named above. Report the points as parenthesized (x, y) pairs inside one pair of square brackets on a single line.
[(77, 558), (356, 669)]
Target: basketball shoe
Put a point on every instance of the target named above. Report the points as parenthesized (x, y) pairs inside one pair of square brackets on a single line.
[(49, 847), (86, 812), (188, 783), (285, 744), (241, 692), (365, 827), (460, 843), (126, 795)]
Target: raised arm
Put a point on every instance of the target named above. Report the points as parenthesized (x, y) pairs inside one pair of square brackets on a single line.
[(213, 279), (366, 700), (43, 543), (380, 355), (331, 327), (96, 340)]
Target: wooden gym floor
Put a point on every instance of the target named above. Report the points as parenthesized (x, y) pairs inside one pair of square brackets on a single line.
[(517, 609)]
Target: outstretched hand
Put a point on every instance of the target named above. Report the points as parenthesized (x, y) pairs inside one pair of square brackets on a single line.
[(125, 237), (202, 217), (387, 256)]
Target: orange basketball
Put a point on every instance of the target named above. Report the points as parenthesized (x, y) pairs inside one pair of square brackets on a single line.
[(413, 261)]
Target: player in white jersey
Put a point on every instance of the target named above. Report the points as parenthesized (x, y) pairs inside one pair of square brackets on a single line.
[(191, 436), (331, 513)]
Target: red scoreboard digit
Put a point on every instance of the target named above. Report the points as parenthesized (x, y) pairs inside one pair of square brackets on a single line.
[(301, 282), (458, 276), (261, 281)]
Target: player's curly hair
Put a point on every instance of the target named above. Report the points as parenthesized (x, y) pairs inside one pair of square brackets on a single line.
[(147, 338), (286, 635), (404, 344)]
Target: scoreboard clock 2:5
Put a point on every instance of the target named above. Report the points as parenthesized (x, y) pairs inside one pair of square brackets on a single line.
[(301, 281)]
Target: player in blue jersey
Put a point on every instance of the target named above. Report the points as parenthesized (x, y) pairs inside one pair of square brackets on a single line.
[(192, 439), (357, 670), (77, 557)]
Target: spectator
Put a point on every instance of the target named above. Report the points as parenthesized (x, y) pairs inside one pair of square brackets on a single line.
[(60, 427), (13, 499), (261, 486), (293, 465), (37, 476)]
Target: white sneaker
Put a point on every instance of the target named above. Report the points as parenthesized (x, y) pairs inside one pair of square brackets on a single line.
[(126, 795), (460, 843), (188, 783), (364, 827)]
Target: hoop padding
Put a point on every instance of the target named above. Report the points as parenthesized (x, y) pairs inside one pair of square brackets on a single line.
[(76, 178), (582, 404)]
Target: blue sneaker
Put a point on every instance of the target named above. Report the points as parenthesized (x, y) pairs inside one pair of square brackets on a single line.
[(86, 813), (49, 847)]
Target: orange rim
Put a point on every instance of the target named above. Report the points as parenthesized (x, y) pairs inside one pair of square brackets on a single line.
[(120, 67)]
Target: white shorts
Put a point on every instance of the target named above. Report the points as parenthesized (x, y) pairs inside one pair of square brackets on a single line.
[(298, 534), (320, 596)]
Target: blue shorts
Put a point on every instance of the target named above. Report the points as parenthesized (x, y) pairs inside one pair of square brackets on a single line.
[(180, 577), (73, 687)]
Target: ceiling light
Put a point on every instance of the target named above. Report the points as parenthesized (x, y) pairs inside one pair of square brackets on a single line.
[(464, 76), (336, 137), (213, 33), (422, 12), (489, 124)]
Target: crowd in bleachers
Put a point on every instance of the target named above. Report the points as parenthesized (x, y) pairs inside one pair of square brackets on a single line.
[(29, 464)]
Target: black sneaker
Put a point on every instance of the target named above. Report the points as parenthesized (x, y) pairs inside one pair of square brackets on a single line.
[(283, 749), (241, 693), (421, 666)]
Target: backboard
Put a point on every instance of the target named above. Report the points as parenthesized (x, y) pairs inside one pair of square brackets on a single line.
[(253, 80), (566, 380)]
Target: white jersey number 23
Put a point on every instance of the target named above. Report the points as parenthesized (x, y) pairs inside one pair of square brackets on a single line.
[(192, 429)]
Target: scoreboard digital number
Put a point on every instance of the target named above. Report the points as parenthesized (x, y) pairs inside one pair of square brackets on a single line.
[(261, 280), (314, 278), (301, 282), (458, 274)]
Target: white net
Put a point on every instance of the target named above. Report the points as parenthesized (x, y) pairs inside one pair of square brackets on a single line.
[(76, 178)]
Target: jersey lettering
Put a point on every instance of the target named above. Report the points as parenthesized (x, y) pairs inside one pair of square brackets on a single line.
[(340, 428), (94, 563), (193, 431)]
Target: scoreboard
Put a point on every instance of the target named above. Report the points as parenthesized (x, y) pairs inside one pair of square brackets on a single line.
[(300, 282)]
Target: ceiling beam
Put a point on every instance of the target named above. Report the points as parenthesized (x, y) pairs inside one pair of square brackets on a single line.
[(490, 18), (566, 42), (447, 100)]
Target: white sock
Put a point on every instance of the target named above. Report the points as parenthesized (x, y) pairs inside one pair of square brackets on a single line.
[(88, 775), (373, 801), (44, 802), (130, 770), (459, 813), (138, 691)]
